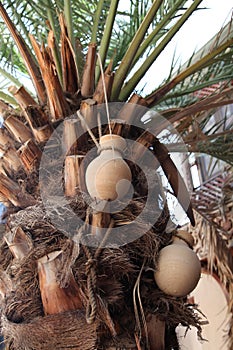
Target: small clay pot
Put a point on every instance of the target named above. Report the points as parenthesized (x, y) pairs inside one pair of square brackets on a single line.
[(108, 176), (179, 268), (112, 141)]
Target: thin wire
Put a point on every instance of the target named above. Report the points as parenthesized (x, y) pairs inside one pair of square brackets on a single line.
[(105, 93)]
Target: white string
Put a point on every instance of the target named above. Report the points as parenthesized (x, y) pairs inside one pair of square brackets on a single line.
[(99, 124), (88, 129), (105, 93)]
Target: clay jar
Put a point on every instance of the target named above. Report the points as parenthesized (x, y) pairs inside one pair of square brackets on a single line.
[(179, 268), (108, 176)]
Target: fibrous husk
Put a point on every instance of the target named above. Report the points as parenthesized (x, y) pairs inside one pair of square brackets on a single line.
[(106, 277), (67, 330), (115, 282), (116, 270)]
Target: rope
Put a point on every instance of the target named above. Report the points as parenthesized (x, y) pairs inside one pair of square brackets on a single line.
[(91, 288), (91, 264), (104, 240)]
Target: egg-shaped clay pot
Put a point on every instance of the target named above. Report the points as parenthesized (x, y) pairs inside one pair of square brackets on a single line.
[(112, 141), (178, 270), (108, 176)]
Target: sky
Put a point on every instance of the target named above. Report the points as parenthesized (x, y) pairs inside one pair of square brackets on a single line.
[(195, 33), (202, 26)]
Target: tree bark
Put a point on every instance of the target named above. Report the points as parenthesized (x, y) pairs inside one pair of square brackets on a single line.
[(54, 298), (99, 95), (18, 242), (14, 193), (30, 155), (156, 332), (11, 157), (72, 174), (18, 129), (88, 80), (57, 103), (22, 96)]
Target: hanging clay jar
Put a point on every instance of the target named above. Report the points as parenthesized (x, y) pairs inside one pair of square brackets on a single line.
[(108, 176), (179, 268)]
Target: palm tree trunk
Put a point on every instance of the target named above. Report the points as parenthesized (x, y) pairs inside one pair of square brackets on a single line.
[(67, 285)]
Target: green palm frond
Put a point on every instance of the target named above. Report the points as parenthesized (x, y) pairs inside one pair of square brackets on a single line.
[(218, 146), (4, 95), (6, 80), (9, 56), (205, 64), (219, 69), (139, 33), (219, 138), (124, 91), (38, 17), (126, 25), (85, 22), (30, 16)]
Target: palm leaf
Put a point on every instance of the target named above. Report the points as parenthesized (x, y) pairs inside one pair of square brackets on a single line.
[(132, 83), (132, 49)]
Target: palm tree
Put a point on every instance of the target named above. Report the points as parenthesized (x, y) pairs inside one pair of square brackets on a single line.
[(78, 273)]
